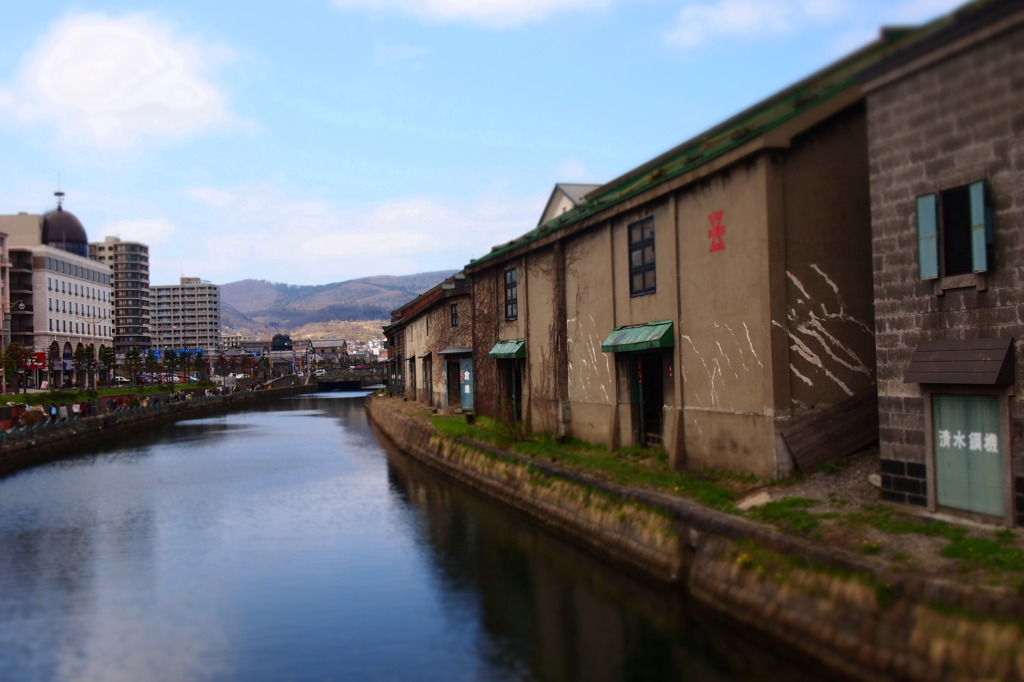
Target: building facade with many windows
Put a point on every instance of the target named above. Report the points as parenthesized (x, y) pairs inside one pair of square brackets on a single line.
[(129, 266), (59, 300), (186, 316)]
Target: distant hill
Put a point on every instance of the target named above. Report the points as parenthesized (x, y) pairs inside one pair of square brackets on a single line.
[(256, 305)]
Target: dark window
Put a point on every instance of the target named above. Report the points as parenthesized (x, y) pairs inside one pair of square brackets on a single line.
[(511, 295), (641, 257), (954, 232), (455, 314)]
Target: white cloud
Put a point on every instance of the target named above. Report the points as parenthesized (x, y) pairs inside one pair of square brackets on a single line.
[(698, 24), (113, 82), (152, 232), (261, 229), (498, 13)]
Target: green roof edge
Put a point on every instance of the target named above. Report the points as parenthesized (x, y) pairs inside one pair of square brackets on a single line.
[(721, 139)]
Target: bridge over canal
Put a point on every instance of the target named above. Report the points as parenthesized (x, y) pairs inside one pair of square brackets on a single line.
[(350, 379)]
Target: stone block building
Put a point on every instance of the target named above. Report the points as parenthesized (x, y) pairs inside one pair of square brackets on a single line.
[(429, 355), (945, 122), (707, 302)]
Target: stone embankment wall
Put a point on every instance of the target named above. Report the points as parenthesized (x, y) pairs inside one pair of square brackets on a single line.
[(57, 442), (826, 603)]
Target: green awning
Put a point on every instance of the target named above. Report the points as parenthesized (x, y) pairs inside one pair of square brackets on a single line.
[(640, 337), (514, 349)]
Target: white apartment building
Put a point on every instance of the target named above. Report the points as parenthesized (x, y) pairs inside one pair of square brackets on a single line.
[(58, 299), (186, 316)]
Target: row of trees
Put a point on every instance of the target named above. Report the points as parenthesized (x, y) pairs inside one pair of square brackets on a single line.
[(104, 365), (90, 365)]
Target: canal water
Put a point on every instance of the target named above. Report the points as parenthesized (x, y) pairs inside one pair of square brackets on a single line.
[(283, 543)]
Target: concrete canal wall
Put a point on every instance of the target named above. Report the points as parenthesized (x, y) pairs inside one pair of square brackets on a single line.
[(22, 449), (827, 603)]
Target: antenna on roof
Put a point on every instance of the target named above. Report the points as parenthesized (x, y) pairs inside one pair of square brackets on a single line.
[(59, 193)]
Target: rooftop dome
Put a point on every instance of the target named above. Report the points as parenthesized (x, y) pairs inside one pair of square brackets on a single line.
[(62, 230)]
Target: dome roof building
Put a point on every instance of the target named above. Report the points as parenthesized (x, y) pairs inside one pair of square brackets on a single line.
[(63, 230), (65, 298)]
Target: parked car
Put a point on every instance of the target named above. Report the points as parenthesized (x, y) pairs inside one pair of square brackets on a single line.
[(122, 380), (320, 373)]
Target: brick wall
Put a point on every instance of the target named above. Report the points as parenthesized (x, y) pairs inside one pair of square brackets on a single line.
[(953, 122)]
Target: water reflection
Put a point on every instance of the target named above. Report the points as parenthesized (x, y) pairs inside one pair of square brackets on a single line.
[(279, 543), (550, 612)]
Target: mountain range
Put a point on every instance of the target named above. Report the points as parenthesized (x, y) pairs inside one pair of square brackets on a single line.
[(254, 305)]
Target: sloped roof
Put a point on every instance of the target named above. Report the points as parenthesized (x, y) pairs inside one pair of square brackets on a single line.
[(800, 98), (573, 192), (454, 285)]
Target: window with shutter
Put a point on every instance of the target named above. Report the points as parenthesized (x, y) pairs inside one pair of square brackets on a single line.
[(954, 232)]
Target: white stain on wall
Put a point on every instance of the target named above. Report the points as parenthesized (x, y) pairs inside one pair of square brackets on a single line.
[(817, 328), (593, 362)]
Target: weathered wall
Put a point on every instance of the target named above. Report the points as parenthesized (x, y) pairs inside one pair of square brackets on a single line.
[(955, 121), (443, 335), (416, 344), (589, 285), (543, 333), (829, 320), (725, 331), (488, 315)]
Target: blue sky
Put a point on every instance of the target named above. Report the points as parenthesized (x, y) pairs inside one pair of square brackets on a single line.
[(318, 141)]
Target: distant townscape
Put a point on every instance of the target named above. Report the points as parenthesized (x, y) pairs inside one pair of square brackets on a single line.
[(75, 309)]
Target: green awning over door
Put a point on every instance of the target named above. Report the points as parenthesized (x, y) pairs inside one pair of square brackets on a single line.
[(514, 349), (650, 336)]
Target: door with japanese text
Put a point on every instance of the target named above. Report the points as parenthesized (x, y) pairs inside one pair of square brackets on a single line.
[(968, 453)]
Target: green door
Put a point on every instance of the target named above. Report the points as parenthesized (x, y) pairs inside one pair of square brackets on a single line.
[(968, 453)]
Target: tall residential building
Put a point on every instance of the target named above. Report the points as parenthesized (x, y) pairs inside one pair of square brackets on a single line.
[(186, 316), (59, 300), (129, 266)]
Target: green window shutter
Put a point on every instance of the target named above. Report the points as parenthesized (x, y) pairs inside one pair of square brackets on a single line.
[(928, 236), (980, 227)]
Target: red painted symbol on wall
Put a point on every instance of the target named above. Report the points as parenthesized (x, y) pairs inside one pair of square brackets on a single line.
[(717, 231)]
